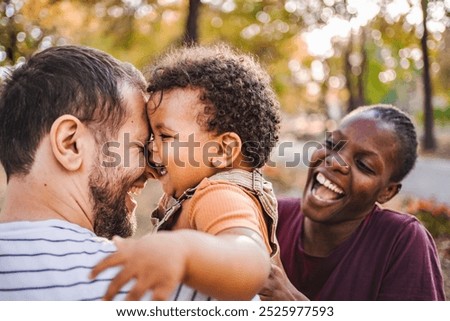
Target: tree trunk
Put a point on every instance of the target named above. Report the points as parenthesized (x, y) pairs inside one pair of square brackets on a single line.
[(11, 41), (11, 47), (429, 142), (363, 67), (191, 31), (349, 75)]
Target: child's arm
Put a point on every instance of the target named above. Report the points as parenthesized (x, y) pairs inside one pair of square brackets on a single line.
[(228, 266)]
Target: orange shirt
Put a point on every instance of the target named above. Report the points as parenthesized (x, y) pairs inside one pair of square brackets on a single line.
[(219, 205)]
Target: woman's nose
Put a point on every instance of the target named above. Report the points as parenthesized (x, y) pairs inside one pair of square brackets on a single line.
[(152, 146), (336, 161)]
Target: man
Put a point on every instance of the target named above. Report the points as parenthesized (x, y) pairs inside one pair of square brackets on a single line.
[(73, 127)]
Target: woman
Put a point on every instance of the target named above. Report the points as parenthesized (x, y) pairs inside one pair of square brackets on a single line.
[(336, 242)]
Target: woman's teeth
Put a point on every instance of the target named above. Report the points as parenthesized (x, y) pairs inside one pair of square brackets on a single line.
[(322, 180)]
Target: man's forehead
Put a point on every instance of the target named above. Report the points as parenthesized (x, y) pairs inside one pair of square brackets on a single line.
[(135, 100)]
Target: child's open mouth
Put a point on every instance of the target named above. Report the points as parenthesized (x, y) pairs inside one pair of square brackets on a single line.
[(160, 169), (326, 190)]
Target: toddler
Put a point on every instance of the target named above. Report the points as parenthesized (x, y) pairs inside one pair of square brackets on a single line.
[(215, 120)]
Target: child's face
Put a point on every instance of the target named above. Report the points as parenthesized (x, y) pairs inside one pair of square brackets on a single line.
[(347, 181), (180, 143)]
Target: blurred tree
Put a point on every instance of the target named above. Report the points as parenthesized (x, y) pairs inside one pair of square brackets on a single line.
[(191, 30), (263, 28), (378, 42), (443, 82), (319, 53), (429, 142), (9, 33), (131, 30), (21, 34)]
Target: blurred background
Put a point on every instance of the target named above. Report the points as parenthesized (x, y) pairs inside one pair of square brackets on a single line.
[(325, 58)]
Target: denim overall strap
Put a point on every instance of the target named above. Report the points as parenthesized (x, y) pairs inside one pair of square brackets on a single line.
[(255, 183), (172, 209)]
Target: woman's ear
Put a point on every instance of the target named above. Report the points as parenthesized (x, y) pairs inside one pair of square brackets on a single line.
[(66, 136), (389, 192), (229, 147)]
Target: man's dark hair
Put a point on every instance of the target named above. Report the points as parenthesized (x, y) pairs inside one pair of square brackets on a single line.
[(406, 135), (235, 91), (74, 80)]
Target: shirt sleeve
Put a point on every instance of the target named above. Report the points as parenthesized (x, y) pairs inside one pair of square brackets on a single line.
[(218, 207), (414, 271)]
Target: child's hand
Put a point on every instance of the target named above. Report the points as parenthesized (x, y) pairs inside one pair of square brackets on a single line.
[(147, 261), (211, 264)]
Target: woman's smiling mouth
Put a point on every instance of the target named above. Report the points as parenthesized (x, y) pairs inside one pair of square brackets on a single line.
[(325, 190)]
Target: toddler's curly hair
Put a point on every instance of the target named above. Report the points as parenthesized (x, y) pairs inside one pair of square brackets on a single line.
[(235, 90)]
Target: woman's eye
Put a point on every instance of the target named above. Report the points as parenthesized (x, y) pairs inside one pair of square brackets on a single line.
[(364, 167)]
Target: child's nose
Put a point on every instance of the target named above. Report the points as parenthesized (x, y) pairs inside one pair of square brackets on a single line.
[(152, 151), (152, 146)]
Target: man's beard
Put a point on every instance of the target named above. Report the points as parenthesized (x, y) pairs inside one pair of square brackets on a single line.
[(108, 192)]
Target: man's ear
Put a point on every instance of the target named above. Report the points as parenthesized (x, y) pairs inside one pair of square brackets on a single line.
[(389, 192), (66, 135), (229, 147)]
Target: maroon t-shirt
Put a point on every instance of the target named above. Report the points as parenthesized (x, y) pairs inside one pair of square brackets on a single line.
[(390, 256)]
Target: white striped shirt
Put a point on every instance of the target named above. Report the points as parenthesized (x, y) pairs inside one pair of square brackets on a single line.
[(51, 260)]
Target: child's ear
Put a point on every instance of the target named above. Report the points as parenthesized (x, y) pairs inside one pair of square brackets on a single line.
[(389, 192), (228, 150), (67, 136)]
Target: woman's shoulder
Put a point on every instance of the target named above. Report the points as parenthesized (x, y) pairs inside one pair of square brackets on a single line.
[(392, 217), (394, 222)]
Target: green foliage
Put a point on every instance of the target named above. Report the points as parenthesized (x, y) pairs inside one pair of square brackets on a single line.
[(441, 116), (19, 35), (437, 225), (435, 217), (375, 89), (138, 31)]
